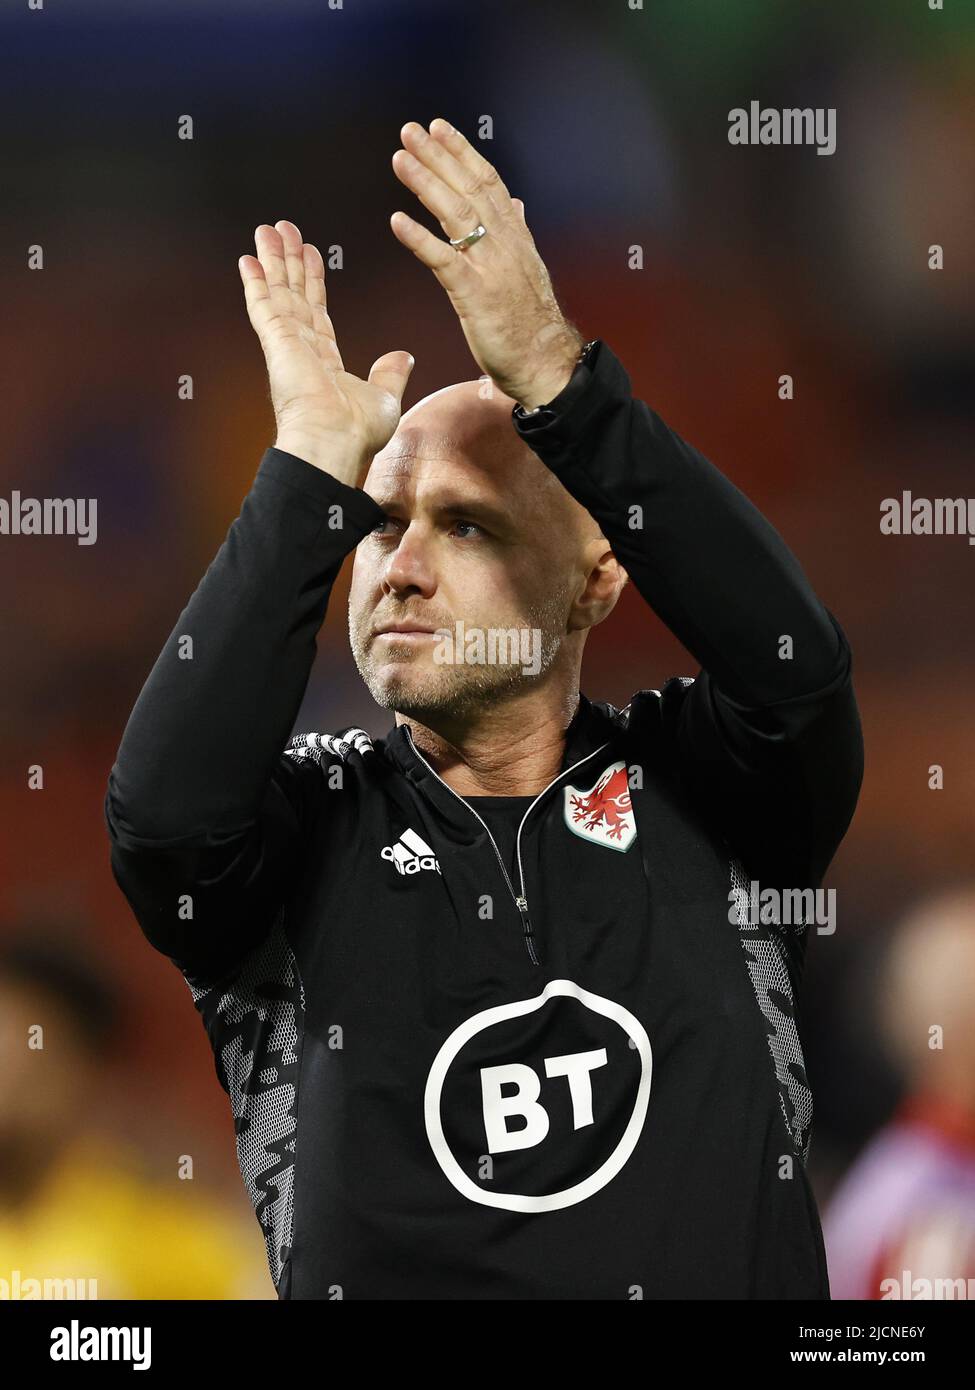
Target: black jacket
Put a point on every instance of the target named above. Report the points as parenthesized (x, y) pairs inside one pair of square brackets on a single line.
[(568, 1074)]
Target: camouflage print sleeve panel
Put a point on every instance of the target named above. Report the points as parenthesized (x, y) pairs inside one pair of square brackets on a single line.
[(255, 1028)]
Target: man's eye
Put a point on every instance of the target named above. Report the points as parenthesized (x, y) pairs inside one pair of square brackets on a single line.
[(467, 527), (381, 528)]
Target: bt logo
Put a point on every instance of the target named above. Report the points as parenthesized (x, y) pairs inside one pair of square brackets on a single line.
[(560, 1126), (497, 1107)]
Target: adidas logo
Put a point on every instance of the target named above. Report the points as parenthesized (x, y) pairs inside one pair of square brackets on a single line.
[(410, 854)]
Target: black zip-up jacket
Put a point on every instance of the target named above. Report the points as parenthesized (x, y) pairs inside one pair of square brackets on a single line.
[(565, 1073)]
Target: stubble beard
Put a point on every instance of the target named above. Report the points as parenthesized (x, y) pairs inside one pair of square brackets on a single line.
[(419, 688)]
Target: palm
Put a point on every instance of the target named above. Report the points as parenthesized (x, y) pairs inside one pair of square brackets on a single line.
[(284, 286)]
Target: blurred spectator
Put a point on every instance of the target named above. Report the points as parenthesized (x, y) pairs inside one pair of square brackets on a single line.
[(902, 1223), (78, 1217)]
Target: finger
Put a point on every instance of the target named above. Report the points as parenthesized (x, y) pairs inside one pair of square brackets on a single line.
[(293, 258), (391, 372), (472, 185), (314, 276), (456, 213), (252, 275), (270, 253), (519, 207), (445, 262), (472, 160), (257, 297), (316, 295)]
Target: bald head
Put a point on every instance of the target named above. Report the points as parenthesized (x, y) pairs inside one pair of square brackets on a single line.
[(478, 533)]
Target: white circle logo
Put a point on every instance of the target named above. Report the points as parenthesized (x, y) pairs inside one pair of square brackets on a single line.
[(572, 1071)]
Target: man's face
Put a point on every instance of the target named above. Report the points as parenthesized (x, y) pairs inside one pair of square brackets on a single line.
[(478, 532)]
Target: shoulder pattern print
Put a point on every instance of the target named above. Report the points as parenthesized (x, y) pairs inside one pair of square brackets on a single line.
[(340, 745)]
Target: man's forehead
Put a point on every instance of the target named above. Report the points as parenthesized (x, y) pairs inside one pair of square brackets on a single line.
[(413, 444), (437, 473), (484, 459), (461, 441)]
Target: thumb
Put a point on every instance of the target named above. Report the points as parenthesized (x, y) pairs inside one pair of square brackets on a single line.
[(391, 372), (520, 206)]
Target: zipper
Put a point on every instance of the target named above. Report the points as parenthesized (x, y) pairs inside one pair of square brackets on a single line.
[(519, 899)]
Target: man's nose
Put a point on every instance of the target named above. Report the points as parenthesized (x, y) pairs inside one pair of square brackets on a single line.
[(410, 567)]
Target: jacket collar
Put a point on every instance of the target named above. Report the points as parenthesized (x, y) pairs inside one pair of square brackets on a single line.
[(589, 729)]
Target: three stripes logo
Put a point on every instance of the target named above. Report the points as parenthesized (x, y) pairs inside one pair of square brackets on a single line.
[(410, 854)]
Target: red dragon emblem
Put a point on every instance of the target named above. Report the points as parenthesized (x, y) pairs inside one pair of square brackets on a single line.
[(607, 808)]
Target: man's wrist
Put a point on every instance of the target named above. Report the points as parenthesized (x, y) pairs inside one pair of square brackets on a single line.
[(341, 458), (556, 375)]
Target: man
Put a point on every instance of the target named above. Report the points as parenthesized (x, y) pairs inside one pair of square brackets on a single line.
[(487, 1023), (901, 1224)]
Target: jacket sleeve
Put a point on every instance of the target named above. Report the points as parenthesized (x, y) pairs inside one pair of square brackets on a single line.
[(205, 812), (768, 736)]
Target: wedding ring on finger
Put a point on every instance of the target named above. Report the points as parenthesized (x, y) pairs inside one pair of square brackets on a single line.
[(461, 243)]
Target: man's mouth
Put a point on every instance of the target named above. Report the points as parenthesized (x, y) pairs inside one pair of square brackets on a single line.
[(405, 630)]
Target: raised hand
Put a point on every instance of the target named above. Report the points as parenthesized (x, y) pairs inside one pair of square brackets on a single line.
[(324, 414), (499, 286)]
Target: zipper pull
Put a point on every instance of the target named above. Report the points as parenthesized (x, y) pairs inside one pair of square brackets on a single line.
[(522, 905)]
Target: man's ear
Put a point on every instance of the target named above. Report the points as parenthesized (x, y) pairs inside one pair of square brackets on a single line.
[(605, 579)]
